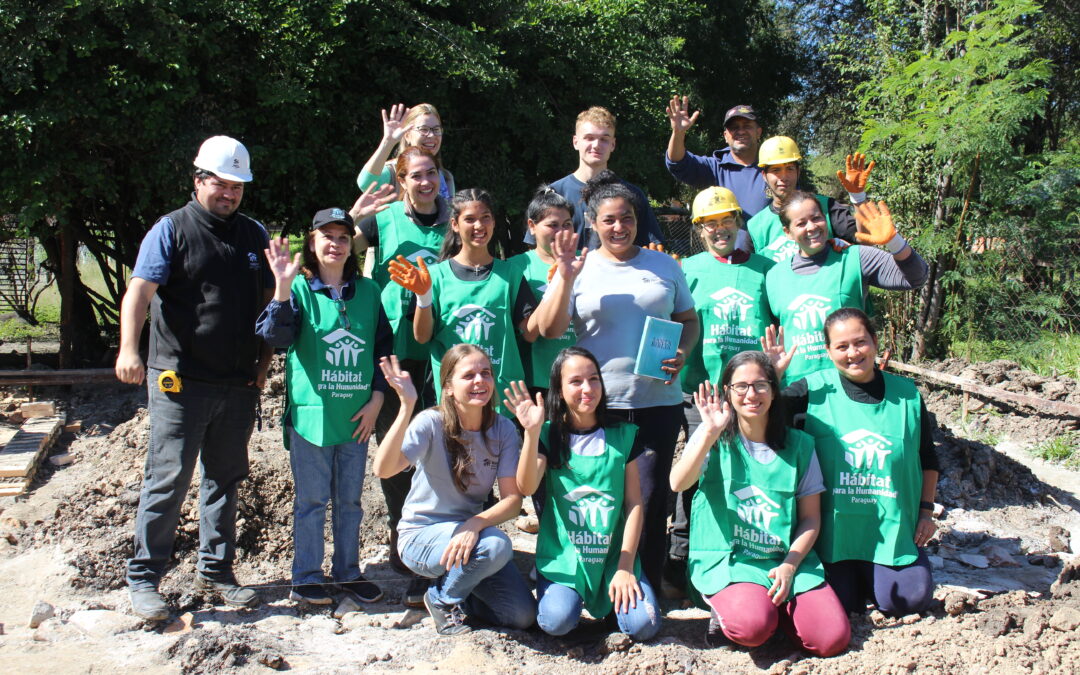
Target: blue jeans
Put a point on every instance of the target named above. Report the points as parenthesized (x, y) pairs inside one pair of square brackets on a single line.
[(560, 610), (321, 474), (210, 423), (489, 586)]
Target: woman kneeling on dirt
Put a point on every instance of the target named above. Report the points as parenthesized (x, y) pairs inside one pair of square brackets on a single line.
[(756, 515), (335, 392), (586, 551), (460, 449), (875, 442)]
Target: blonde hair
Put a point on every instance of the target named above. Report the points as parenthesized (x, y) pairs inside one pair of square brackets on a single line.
[(415, 113), (599, 116)]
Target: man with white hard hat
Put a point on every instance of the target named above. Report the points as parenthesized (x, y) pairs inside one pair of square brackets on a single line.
[(202, 273)]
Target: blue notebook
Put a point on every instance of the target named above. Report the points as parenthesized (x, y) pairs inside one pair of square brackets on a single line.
[(659, 342)]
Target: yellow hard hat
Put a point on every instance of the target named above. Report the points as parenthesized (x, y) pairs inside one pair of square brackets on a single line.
[(713, 201), (778, 150)]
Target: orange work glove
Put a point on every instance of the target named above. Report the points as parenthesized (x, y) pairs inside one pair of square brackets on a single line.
[(855, 173), (416, 279), (875, 223), (659, 248)]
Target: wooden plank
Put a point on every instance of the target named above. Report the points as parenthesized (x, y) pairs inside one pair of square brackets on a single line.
[(22, 453), (32, 409), (6, 434), (11, 486), (968, 385), (56, 377)]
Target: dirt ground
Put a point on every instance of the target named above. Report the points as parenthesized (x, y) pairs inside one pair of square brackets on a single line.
[(1007, 598)]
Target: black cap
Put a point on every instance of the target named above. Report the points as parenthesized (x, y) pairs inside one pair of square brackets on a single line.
[(740, 111), (334, 215)]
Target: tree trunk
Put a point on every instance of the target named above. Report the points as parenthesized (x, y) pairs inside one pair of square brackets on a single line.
[(80, 334)]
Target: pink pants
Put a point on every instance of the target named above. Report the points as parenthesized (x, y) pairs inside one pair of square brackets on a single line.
[(815, 620)]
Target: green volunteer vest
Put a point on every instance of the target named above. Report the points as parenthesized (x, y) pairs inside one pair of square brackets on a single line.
[(328, 369), (869, 456), (581, 528), (744, 516), (732, 310), (803, 301), (768, 236), (400, 235), (538, 356), (477, 312)]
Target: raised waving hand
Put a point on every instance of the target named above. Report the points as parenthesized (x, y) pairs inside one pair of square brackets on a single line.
[(371, 201), (567, 261), (875, 223), (678, 113), (855, 174), (712, 406), (284, 267), (393, 125), (773, 346), (529, 411), (415, 278)]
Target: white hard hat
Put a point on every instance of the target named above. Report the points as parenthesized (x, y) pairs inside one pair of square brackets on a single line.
[(226, 157)]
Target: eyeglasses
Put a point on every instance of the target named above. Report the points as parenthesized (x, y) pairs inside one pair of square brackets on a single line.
[(761, 387), (343, 318), (429, 131), (713, 225)]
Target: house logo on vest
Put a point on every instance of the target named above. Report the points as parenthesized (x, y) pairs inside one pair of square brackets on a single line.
[(731, 304), (781, 249), (755, 508), (253, 261), (809, 311), (474, 323), (591, 507), (866, 453), (428, 256), (865, 450), (343, 349)]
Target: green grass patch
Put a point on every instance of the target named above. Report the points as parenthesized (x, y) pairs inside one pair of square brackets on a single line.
[(1050, 354), (1064, 449), (17, 330)]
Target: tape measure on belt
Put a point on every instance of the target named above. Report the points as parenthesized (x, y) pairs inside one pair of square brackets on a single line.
[(169, 381)]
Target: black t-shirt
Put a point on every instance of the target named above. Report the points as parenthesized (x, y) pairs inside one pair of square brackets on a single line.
[(796, 398)]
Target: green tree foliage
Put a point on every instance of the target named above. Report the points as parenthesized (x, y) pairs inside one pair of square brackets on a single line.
[(104, 102), (954, 101)]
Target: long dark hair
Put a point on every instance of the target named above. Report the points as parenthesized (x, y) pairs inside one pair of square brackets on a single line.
[(775, 432), (561, 421), (451, 245), (603, 186), (461, 459)]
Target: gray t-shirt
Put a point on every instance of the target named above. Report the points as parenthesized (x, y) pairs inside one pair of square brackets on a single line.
[(433, 497), (811, 482), (609, 303)]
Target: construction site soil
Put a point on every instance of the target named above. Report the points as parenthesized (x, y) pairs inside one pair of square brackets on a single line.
[(1007, 597)]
